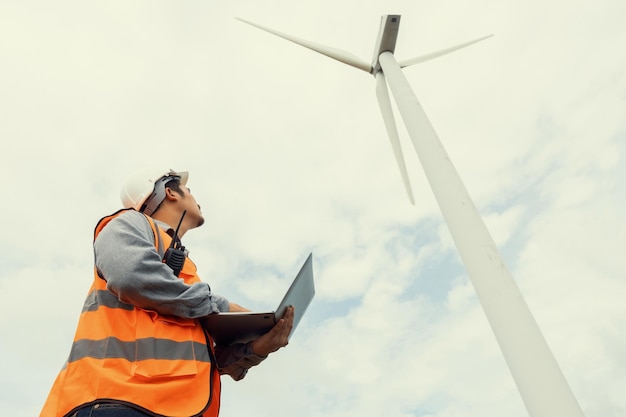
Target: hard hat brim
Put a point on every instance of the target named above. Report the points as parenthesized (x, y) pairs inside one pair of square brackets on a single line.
[(184, 176)]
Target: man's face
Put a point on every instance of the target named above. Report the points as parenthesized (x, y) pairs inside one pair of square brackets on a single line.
[(188, 202)]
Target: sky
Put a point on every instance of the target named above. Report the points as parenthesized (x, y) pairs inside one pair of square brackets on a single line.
[(288, 155)]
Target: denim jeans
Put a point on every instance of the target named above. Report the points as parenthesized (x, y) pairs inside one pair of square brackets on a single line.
[(108, 410)]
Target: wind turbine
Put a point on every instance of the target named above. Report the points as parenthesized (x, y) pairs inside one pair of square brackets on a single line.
[(537, 375)]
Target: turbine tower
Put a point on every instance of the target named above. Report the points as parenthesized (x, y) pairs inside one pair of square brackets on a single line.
[(540, 381)]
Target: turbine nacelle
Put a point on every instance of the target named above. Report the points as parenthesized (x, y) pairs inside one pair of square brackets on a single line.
[(386, 39)]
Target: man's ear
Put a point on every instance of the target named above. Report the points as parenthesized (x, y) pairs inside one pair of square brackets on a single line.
[(171, 195)]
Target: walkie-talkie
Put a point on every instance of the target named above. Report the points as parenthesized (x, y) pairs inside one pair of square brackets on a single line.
[(175, 255)]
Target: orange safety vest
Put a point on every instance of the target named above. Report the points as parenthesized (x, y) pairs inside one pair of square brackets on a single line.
[(162, 365)]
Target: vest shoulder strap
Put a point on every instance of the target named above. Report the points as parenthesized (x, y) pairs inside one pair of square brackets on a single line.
[(158, 240)]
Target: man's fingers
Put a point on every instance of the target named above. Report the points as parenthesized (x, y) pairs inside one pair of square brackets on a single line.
[(277, 337)]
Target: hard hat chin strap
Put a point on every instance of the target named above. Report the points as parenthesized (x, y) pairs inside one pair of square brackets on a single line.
[(158, 195)]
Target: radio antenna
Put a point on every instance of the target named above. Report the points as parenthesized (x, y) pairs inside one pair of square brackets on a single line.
[(175, 238)]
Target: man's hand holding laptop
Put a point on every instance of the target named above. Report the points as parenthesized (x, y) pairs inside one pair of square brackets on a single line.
[(277, 337)]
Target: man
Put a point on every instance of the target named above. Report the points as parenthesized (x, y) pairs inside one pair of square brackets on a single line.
[(139, 348)]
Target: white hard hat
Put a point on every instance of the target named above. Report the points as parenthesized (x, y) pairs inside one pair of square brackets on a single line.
[(144, 191)]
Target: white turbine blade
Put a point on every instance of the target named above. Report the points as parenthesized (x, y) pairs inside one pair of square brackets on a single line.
[(412, 61), (339, 55), (385, 108)]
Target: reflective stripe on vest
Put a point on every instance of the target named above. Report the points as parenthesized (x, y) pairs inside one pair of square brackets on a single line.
[(164, 365), (138, 350)]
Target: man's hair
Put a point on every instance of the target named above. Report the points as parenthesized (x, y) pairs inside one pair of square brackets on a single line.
[(174, 184)]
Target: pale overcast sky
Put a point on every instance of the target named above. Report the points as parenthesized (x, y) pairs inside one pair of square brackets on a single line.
[(288, 155)]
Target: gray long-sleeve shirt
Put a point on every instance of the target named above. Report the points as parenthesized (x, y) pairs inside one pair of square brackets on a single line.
[(127, 258)]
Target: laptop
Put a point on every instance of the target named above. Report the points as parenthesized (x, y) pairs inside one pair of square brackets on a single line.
[(240, 327)]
